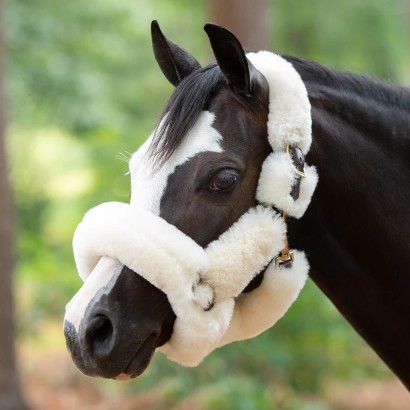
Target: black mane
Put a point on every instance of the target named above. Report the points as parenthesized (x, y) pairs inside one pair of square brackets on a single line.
[(195, 91), (182, 110), (316, 76)]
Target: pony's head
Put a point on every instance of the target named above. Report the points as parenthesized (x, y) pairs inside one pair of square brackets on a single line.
[(173, 268)]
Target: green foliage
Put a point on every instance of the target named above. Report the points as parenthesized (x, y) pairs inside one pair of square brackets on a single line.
[(84, 87), (362, 36), (89, 66)]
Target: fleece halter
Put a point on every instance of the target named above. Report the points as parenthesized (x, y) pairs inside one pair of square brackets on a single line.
[(204, 285)]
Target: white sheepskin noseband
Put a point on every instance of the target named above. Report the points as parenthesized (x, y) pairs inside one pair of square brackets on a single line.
[(204, 286)]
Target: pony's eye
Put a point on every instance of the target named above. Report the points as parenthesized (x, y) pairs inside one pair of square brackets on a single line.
[(224, 181)]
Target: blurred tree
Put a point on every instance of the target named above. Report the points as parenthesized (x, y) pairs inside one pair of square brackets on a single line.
[(10, 395), (247, 19)]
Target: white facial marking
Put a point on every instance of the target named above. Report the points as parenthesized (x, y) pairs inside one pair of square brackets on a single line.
[(148, 184), (102, 278)]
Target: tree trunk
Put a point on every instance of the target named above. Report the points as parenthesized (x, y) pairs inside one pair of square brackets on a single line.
[(407, 63), (247, 19), (10, 395)]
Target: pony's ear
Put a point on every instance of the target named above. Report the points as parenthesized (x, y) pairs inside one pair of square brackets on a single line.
[(242, 76), (175, 62)]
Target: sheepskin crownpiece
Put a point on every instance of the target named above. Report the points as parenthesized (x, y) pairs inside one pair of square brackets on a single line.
[(289, 123), (204, 285)]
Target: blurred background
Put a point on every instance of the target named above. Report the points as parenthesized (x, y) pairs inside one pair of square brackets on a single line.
[(83, 91)]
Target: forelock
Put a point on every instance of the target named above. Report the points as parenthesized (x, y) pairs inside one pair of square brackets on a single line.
[(182, 110)]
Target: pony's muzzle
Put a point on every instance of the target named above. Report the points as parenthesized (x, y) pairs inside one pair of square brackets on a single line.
[(115, 322), (93, 343), (98, 347), (92, 346)]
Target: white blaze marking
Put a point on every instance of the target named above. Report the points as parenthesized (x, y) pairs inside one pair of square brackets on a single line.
[(148, 184), (102, 278)]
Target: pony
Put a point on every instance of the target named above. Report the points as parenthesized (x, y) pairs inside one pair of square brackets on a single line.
[(202, 167)]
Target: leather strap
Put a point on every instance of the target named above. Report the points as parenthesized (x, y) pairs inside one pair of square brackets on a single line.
[(285, 258), (298, 160)]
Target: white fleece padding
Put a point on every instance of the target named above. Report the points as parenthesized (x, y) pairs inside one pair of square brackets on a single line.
[(197, 332), (201, 284), (137, 238), (289, 123), (248, 246), (260, 309), (289, 120), (276, 180)]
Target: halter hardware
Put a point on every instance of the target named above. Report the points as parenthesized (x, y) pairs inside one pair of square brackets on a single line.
[(292, 150), (286, 257)]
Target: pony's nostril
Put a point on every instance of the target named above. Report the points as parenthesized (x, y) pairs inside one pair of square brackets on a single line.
[(100, 336)]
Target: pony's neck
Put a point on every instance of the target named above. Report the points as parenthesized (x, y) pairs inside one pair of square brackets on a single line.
[(357, 227)]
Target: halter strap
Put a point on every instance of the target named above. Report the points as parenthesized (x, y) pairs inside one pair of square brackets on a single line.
[(298, 158)]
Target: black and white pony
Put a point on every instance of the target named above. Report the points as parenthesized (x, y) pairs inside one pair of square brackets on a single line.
[(200, 256)]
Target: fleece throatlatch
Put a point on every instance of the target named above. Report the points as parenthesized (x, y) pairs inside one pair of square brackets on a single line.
[(204, 285)]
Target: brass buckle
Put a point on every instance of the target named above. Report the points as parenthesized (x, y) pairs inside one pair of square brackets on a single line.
[(284, 258), (301, 174)]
